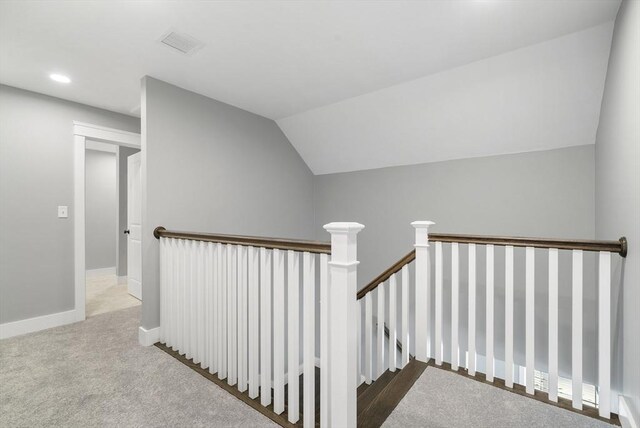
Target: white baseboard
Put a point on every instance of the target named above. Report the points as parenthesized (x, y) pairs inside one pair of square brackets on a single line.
[(148, 337), (122, 280), (629, 417), (101, 272), (30, 325)]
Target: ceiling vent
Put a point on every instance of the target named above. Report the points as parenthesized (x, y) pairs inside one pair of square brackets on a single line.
[(181, 42)]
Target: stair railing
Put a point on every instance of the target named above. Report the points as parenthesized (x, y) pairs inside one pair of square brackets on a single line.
[(231, 304), (428, 338)]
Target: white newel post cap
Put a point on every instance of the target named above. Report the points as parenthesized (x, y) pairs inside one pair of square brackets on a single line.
[(422, 233), (343, 241)]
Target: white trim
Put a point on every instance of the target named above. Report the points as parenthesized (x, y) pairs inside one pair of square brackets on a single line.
[(122, 280), (118, 225), (82, 132), (100, 146), (79, 224), (109, 135), (30, 325), (148, 337), (101, 272), (135, 289), (629, 418)]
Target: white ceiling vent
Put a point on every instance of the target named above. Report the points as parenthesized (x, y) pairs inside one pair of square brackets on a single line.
[(181, 42)]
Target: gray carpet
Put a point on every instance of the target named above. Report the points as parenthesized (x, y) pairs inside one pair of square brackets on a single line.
[(94, 373), (445, 399)]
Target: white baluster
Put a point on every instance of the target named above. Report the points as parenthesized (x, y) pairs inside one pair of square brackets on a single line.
[(380, 331), (508, 316), (343, 335), (242, 318), (184, 297), (171, 335), (324, 340), (186, 338), (392, 324), (553, 324), (224, 313), (471, 359), (232, 288), (163, 290), (254, 321), (309, 339), (423, 290), (455, 296), (368, 338), (576, 329), (217, 294), (604, 334), (489, 360), (202, 338), (359, 310), (293, 275), (530, 317), (404, 336), (213, 320), (278, 331), (168, 292), (206, 309), (439, 308), (193, 302), (265, 326)]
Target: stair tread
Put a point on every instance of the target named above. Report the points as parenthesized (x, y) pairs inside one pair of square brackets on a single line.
[(371, 391), (389, 396)]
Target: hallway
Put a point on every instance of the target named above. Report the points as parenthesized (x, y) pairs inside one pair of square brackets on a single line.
[(94, 373), (104, 294)]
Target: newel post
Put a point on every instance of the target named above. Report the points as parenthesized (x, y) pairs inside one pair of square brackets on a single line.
[(341, 325), (423, 303)]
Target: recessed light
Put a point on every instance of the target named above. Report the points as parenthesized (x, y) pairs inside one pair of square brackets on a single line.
[(60, 78)]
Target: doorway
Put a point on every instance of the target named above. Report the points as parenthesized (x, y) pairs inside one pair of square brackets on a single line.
[(102, 211), (108, 190)]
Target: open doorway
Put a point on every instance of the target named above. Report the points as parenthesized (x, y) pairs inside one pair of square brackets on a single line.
[(108, 191), (107, 207)]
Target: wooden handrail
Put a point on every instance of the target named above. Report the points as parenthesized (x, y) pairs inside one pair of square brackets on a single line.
[(619, 246), (255, 241), (387, 274)]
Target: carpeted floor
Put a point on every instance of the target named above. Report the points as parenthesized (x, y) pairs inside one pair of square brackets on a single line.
[(444, 399), (94, 373), (104, 294)]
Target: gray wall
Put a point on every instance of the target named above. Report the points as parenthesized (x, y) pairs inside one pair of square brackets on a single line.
[(125, 152), (618, 179), (547, 193), (208, 166), (100, 206), (36, 175)]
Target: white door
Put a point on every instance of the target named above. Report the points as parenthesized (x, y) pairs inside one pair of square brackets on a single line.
[(134, 218)]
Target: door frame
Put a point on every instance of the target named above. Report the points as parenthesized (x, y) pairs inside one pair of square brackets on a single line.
[(81, 133)]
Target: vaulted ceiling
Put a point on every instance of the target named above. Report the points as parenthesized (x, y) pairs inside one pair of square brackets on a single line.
[(322, 69)]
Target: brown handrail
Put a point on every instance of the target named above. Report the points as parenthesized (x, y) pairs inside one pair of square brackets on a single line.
[(619, 246), (255, 241), (387, 274)]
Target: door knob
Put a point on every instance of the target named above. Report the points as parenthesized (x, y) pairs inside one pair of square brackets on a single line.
[(126, 232)]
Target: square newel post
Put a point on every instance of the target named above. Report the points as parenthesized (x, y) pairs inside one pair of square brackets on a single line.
[(423, 302), (341, 324)]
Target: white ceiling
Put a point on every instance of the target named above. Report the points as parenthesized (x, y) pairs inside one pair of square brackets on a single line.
[(541, 97), (274, 58)]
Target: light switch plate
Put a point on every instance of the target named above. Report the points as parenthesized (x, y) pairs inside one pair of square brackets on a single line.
[(63, 211)]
